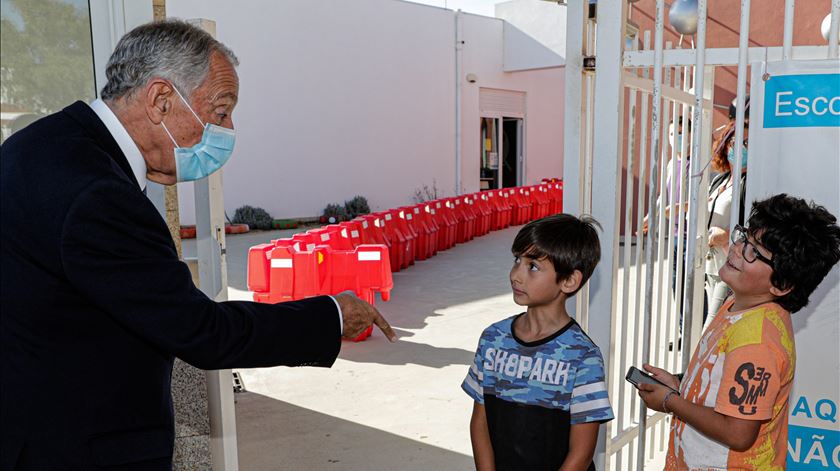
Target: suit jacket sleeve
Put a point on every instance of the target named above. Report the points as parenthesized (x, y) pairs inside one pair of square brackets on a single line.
[(117, 252)]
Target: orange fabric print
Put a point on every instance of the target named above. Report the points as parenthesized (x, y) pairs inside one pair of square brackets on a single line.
[(743, 367)]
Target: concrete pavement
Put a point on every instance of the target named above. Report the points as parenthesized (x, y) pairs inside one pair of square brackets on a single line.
[(381, 406), (386, 406)]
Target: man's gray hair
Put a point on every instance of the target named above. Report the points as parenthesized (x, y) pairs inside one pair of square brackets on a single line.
[(172, 49)]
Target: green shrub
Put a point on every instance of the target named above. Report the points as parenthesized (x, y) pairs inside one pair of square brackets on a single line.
[(335, 211), (255, 218), (356, 206)]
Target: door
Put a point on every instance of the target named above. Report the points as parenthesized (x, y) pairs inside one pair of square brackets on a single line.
[(512, 158)]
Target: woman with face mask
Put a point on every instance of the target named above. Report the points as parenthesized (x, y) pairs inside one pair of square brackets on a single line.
[(719, 205)]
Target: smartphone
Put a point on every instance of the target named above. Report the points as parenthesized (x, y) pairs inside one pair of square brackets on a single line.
[(636, 377)]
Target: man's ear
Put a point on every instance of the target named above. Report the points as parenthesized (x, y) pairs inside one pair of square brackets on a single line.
[(571, 283), (158, 100)]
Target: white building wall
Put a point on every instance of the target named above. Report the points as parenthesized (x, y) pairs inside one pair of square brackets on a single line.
[(358, 97), (535, 34), (483, 56)]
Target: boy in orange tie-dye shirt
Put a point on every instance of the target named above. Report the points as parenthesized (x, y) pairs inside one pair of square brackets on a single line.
[(731, 411)]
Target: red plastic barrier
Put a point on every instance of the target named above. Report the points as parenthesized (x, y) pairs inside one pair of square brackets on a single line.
[(447, 223), (505, 210), (555, 191), (466, 220), (340, 237), (540, 202), (286, 271), (354, 231), (258, 267), (484, 213), (321, 235), (418, 230), (424, 213), (396, 242), (521, 202), (372, 232), (401, 240), (501, 210)]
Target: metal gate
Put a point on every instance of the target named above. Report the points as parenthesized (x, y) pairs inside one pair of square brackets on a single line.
[(620, 100)]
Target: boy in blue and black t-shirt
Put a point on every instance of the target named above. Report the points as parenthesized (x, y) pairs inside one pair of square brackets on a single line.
[(538, 380)]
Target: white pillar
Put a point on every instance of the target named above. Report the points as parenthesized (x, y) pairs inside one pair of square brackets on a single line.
[(212, 274), (606, 197)]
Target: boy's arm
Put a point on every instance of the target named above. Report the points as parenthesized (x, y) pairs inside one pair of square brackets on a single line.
[(582, 441), (737, 434), (480, 437)]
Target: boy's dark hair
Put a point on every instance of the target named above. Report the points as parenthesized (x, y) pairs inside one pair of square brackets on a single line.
[(805, 241), (570, 244)]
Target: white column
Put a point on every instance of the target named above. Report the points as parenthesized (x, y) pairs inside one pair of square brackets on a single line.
[(606, 184), (212, 275)]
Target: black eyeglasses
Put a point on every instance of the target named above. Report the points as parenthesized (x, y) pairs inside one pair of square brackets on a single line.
[(748, 251)]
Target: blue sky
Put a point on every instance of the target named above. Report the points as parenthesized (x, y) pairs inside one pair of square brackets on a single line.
[(480, 7)]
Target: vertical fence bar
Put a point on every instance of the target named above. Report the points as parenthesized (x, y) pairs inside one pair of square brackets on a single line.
[(654, 149), (640, 212), (574, 116), (606, 182), (740, 100), (683, 265), (696, 175), (625, 291), (787, 42), (662, 258), (833, 30)]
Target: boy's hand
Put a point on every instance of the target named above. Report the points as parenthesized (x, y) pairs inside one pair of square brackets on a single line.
[(662, 376), (653, 395)]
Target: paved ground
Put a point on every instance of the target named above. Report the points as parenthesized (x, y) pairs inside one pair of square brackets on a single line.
[(381, 406)]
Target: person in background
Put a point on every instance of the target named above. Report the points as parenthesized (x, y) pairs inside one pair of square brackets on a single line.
[(720, 207)]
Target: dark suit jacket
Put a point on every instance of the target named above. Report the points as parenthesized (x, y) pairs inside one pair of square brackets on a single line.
[(95, 306)]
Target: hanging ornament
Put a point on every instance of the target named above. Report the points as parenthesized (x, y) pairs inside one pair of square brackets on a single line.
[(683, 16), (825, 28)]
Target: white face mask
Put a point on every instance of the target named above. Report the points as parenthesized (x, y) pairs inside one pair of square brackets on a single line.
[(675, 139)]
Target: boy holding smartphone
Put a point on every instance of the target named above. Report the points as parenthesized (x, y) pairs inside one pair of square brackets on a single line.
[(731, 408)]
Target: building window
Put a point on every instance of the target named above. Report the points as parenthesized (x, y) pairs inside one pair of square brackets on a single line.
[(46, 59)]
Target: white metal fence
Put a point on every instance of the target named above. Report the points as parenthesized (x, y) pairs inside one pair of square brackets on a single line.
[(631, 307)]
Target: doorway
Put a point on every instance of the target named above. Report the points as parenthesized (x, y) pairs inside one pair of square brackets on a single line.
[(501, 153), (511, 152)]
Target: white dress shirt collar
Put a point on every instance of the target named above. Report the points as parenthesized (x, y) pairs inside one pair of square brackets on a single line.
[(124, 140)]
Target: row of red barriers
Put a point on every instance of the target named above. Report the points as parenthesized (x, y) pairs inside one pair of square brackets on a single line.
[(361, 254)]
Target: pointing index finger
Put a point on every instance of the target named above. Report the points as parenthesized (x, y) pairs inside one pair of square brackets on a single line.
[(385, 327)]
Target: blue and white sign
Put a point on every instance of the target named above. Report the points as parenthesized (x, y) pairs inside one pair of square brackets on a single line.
[(794, 148), (808, 100)]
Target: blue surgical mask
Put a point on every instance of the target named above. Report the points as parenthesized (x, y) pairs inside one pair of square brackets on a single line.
[(730, 156), (205, 157), (677, 145)]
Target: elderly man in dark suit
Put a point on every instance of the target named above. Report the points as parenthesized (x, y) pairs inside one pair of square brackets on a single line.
[(95, 303)]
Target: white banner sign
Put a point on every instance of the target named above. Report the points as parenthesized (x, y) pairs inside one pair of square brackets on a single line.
[(794, 148)]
